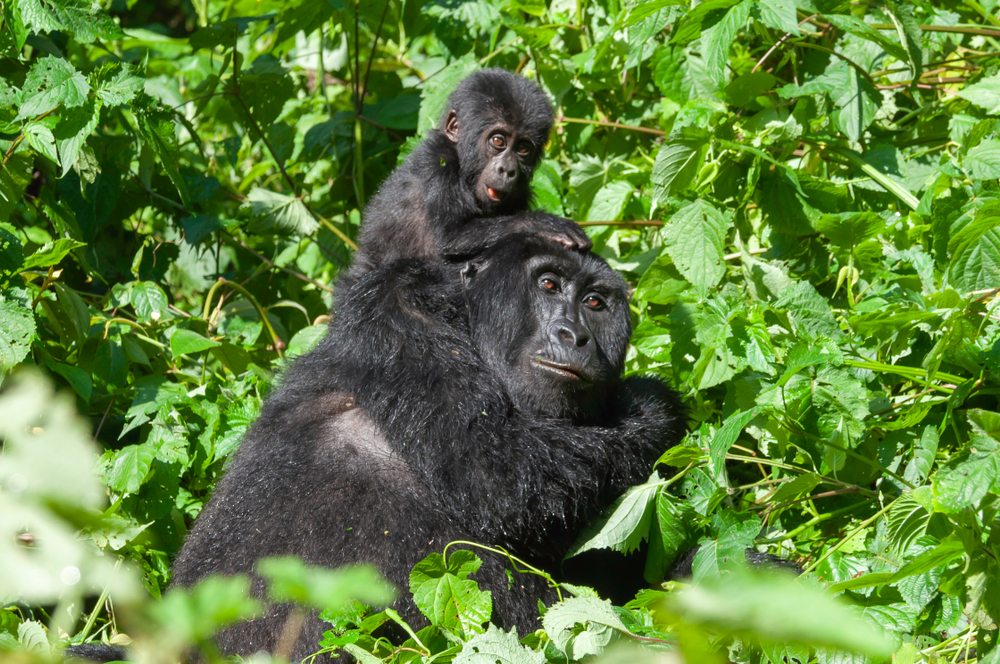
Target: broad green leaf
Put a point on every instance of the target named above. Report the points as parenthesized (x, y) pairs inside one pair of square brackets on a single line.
[(51, 253), (196, 614), (809, 309), (624, 525), (149, 302), (291, 580), (908, 31), (778, 14), (674, 532), (857, 102), (983, 161), (678, 161), (965, 479), (72, 131), (271, 212), (14, 177), (52, 82), (188, 342), (735, 533), (41, 139), (985, 94), (610, 200), (444, 593), (696, 238), (744, 89), (599, 621), (265, 92), (976, 263), (775, 606), (119, 88), (850, 229), (84, 20), (861, 29), (17, 327), (128, 468), (495, 646), (435, 93), (11, 253), (716, 40)]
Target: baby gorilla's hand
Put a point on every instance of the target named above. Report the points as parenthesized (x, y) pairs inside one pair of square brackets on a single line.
[(561, 231)]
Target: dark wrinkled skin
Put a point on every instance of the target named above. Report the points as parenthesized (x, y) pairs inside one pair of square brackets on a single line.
[(425, 417), (463, 185)]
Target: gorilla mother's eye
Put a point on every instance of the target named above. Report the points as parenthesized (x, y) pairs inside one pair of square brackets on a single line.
[(594, 302), (498, 141), (549, 284)]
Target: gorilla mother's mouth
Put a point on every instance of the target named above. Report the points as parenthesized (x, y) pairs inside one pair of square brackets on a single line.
[(564, 370)]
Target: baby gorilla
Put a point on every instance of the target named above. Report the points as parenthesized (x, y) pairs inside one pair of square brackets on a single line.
[(457, 189), (482, 405)]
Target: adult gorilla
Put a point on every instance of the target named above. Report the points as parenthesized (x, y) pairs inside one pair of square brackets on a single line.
[(486, 406)]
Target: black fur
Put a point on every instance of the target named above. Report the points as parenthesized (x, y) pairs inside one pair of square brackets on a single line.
[(423, 417), (433, 198), (96, 652)]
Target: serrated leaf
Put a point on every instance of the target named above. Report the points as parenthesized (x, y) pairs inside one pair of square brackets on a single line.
[(967, 477), (51, 253), (149, 302), (87, 23), (610, 200), (72, 131), (129, 467), (678, 161), (851, 229), (985, 94), (271, 212), (444, 593), (983, 161), (17, 327), (121, 88), (809, 309), (696, 238), (976, 264), (727, 551), (11, 253), (52, 82), (624, 525), (495, 646), (779, 14), (717, 39), (599, 620), (156, 126), (41, 139), (14, 177)]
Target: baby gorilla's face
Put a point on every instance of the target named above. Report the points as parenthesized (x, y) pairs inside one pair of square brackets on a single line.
[(554, 324)]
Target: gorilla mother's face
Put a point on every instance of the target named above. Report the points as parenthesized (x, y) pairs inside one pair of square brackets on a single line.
[(553, 323)]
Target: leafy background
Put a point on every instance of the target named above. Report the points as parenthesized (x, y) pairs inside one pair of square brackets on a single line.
[(804, 195)]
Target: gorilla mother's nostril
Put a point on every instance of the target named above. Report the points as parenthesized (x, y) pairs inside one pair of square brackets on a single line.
[(573, 335), (567, 336)]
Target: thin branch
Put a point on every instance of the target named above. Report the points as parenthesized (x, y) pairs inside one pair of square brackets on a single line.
[(229, 239), (646, 222), (368, 69), (562, 119), (778, 44)]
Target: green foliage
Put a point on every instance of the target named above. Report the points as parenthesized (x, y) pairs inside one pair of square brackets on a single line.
[(804, 195)]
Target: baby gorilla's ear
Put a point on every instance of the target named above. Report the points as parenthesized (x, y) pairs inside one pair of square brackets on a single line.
[(471, 269), (451, 126)]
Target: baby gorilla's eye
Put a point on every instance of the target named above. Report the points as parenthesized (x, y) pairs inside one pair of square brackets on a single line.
[(549, 284), (497, 141), (524, 149), (594, 302)]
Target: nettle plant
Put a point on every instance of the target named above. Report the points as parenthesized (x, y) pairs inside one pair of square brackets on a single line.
[(803, 195)]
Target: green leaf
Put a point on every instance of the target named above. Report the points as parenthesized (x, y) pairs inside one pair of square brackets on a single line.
[(444, 593), (724, 439), (11, 253), (599, 621), (744, 89), (850, 229), (859, 28), (778, 14), (983, 161), (976, 263), (495, 646), (14, 178), (776, 607), (196, 614), (41, 139), (120, 88), (858, 102), (156, 126), (188, 342), (17, 327), (52, 82), (51, 253), (149, 302), (624, 525), (72, 131), (434, 96), (271, 212), (610, 200), (985, 94), (696, 238), (727, 552), (291, 580), (809, 310), (678, 161), (128, 468), (87, 23), (967, 477), (909, 33), (716, 40)]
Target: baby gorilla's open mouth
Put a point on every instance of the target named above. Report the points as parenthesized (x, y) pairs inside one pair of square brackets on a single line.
[(494, 194), (569, 371)]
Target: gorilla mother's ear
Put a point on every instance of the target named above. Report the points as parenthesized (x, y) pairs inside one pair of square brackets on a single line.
[(451, 126), (471, 269)]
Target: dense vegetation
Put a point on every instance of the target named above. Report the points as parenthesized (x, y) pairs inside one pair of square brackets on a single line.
[(804, 195)]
